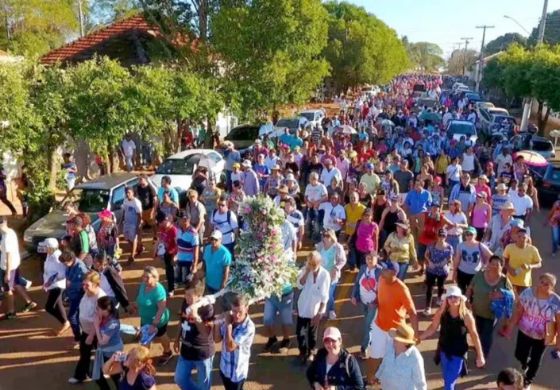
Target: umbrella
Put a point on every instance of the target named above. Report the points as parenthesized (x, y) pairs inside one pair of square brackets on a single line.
[(430, 116), (346, 130), (387, 122), (531, 158)]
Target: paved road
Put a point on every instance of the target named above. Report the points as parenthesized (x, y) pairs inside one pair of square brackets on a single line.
[(30, 357)]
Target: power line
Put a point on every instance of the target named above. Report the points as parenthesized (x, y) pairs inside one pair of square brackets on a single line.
[(466, 40)]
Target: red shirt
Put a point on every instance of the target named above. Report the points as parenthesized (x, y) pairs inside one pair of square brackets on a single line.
[(431, 227), (168, 237)]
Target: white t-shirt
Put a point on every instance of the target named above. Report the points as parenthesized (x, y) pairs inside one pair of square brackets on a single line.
[(133, 207), (521, 203), (128, 147), (219, 221), (468, 162), (10, 244), (315, 192), (501, 161), (453, 172), (332, 214), (327, 176), (458, 218)]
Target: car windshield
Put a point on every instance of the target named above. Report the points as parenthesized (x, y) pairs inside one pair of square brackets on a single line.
[(461, 128), (89, 200), (310, 116), (179, 166), (542, 146), (289, 123), (554, 175)]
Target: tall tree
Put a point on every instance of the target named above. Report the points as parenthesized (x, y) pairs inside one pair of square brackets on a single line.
[(503, 42), (33, 27), (362, 49), (270, 50), (425, 56), (461, 61), (551, 32)]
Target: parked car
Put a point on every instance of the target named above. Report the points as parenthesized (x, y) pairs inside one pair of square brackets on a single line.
[(549, 185), (529, 141), (293, 124), (483, 104), (313, 117), (473, 97), (370, 90), (243, 136), (456, 129), (181, 166), (105, 192)]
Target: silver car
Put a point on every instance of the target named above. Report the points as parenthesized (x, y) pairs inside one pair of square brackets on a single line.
[(105, 192)]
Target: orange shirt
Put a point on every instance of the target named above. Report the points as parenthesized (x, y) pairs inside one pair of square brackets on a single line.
[(393, 301)]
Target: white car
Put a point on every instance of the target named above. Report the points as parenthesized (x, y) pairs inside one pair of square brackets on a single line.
[(457, 129), (181, 166), (314, 117)]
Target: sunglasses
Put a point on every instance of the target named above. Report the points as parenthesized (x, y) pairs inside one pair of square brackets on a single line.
[(328, 340)]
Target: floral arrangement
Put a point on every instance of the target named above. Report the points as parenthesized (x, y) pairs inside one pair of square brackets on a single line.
[(262, 268)]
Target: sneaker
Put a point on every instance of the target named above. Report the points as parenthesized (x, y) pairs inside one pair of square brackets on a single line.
[(74, 381), (284, 345), (165, 358), (439, 301), (428, 311), (10, 316), (170, 294), (270, 344), (332, 315), (30, 306), (28, 284)]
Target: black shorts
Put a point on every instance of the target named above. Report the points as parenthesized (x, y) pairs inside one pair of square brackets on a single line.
[(161, 330)]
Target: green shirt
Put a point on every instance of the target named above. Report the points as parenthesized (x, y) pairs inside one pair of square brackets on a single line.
[(481, 294), (147, 302)]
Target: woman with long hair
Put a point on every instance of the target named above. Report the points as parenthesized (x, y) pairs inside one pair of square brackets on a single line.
[(481, 215), (107, 332), (455, 321), (470, 256), (533, 192), (366, 237), (438, 257), (135, 369)]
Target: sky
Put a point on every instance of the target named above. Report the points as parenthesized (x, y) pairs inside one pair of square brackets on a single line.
[(445, 22)]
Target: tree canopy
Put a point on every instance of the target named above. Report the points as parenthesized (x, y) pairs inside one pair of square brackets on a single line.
[(503, 42), (362, 49), (270, 50), (551, 31), (461, 61), (528, 73), (425, 56)]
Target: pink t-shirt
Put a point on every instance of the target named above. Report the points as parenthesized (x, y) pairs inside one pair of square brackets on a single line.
[(480, 216), (364, 237)]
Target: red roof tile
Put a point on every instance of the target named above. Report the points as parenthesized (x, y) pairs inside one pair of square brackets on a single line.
[(76, 48)]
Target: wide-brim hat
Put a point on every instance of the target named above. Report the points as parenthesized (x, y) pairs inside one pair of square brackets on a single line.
[(454, 291), (403, 333)]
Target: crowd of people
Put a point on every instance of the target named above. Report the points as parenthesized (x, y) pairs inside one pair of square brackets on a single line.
[(395, 199)]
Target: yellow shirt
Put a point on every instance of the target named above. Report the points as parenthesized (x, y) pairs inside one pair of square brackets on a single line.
[(401, 250), (518, 257), (371, 182), (353, 215), (441, 164)]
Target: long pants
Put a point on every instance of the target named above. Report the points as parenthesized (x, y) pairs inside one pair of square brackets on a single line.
[(332, 292), (402, 270), (229, 385), (306, 335), (431, 281), (5, 200), (169, 272), (54, 305), (369, 316), (454, 241), (451, 369), (184, 370), (230, 247), (555, 238), (82, 368), (183, 271), (529, 352), (485, 328), (102, 381), (73, 317), (463, 280)]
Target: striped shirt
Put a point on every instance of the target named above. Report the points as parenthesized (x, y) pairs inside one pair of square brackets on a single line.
[(187, 242), (235, 365)]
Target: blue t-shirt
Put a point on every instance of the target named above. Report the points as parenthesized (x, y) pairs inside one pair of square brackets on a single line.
[(187, 243), (144, 381), (173, 194), (215, 262), (111, 328)]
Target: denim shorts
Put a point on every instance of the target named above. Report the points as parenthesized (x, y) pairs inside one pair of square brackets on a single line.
[(276, 309)]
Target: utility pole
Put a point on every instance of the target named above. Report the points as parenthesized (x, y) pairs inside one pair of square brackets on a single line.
[(481, 57), (466, 40), (81, 18), (528, 106)]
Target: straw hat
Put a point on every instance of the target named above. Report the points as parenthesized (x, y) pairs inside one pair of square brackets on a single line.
[(508, 206), (403, 334), (454, 291)]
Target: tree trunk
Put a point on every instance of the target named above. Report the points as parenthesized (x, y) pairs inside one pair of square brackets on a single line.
[(54, 167), (203, 19), (542, 128)]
